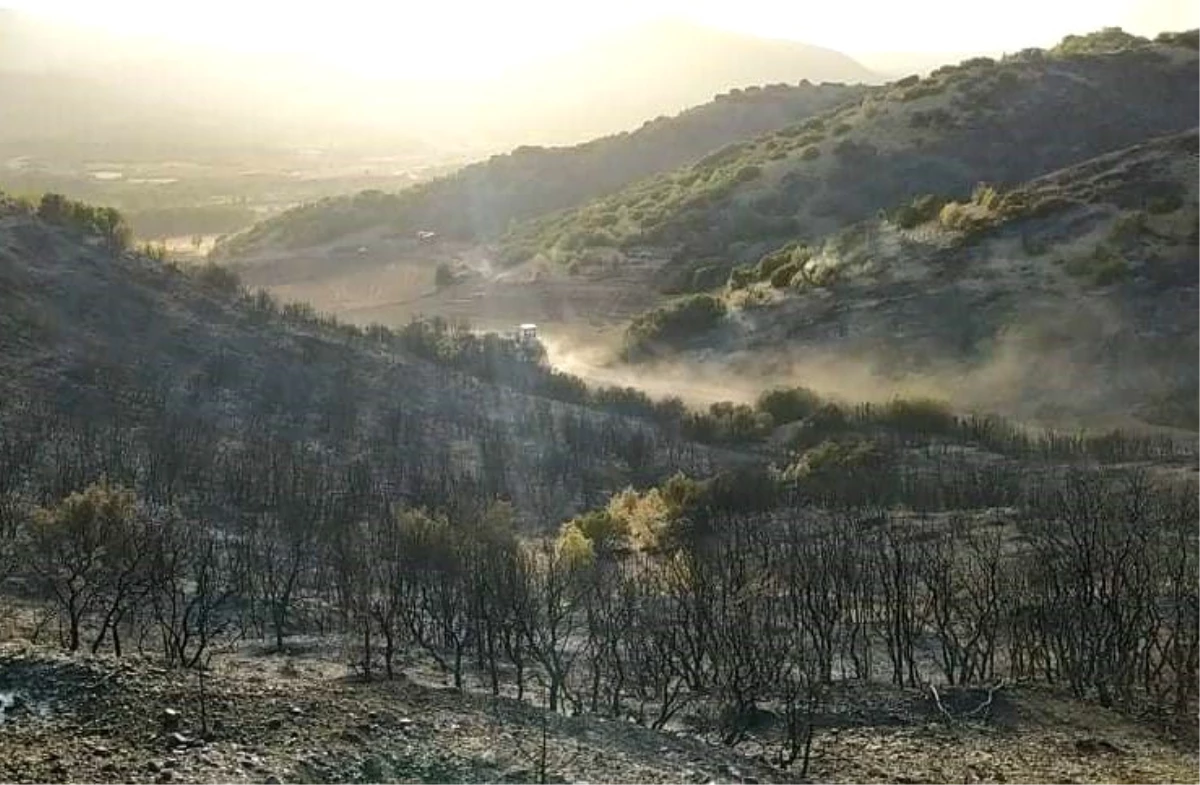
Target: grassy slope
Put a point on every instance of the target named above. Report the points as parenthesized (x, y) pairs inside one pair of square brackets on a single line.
[(1073, 295), (482, 199), (981, 121)]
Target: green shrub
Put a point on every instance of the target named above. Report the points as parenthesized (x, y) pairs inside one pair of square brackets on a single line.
[(673, 324), (742, 276), (783, 276), (1103, 267), (789, 404), (923, 90), (920, 210), (1106, 40), (747, 173), (217, 278), (443, 276), (842, 128), (104, 222), (810, 152), (773, 261), (1160, 205)]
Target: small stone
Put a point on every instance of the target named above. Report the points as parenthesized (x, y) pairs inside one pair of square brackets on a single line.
[(272, 780), (178, 740), (153, 766), (170, 720), (297, 711)]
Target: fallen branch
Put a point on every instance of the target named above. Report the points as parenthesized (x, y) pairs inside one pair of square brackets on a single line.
[(987, 702)]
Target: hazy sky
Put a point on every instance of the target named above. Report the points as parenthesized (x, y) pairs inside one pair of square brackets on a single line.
[(461, 37)]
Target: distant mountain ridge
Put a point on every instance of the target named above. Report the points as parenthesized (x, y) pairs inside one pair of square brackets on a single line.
[(58, 80)]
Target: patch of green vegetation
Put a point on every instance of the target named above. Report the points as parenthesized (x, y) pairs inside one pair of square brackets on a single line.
[(1128, 227), (1187, 39), (106, 223), (1161, 205), (672, 325), (920, 210), (788, 404), (939, 119), (989, 206), (1104, 266), (923, 89), (1104, 41)]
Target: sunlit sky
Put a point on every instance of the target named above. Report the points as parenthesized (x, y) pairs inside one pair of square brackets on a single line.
[(463, 37)]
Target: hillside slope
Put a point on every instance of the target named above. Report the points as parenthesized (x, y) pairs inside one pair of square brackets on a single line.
[(1001, 122), (481, 200), (96, 345), (1073, 296)]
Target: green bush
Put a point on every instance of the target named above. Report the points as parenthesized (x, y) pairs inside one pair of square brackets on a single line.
[(810, 152), (443, 276), (782, 277), (920, 210), (217, 278), (1104, 41), (789, 404), (673, 324), (742, 276), (747, 173), (1103, 267), (104, 222)]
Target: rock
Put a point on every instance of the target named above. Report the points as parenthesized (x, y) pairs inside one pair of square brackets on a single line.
[(178, 740), (272, 780), (166, 775), (297, 711), (153, 766), (274, 723), (1096, 747), (170, 720)]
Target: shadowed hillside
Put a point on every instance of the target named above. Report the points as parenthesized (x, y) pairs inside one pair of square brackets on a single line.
[(183, 372)]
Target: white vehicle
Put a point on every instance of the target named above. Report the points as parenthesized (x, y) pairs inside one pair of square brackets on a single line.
[(526, 334)]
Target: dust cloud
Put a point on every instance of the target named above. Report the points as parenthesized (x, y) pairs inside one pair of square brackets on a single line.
[(1021, 377)]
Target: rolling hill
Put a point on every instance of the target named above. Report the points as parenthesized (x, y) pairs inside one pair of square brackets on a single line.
[(481, 201), (980, 121), (1073, 297)]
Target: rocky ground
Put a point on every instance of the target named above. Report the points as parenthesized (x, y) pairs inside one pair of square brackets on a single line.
[(302, 718)]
